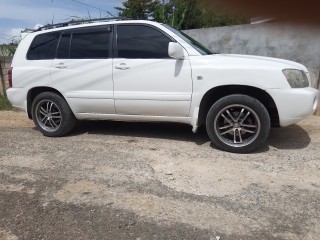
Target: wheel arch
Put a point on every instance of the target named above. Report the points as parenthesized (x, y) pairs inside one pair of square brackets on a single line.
[(214, 94), (32, 93)]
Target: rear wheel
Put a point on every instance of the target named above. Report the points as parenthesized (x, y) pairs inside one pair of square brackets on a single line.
[(52, 115), (238, 123)]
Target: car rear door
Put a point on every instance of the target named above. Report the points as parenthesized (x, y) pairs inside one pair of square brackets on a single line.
[(82, 70)]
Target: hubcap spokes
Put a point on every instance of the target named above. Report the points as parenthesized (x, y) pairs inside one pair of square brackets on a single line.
[(48, 115), (237, 125)]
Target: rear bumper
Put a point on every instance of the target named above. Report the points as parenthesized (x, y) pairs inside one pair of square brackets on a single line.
[(17, 98), (294, 104)]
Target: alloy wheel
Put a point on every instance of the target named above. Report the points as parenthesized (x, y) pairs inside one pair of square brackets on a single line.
[(48, 115), (237, 125)]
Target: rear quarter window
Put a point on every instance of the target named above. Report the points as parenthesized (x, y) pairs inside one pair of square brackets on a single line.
[(43, 46)]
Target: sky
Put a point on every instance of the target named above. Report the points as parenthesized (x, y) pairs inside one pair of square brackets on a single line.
[(17, 15)]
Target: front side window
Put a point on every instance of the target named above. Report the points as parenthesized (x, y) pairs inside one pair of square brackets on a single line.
[(138, 41), (44, 46)]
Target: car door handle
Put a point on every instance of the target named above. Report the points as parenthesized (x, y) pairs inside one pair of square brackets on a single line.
[(122, 66), (60, 66)]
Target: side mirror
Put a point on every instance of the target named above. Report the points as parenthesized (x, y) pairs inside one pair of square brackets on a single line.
[(176, 51)]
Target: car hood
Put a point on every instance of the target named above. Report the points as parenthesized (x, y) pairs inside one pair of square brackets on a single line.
[(254, 61)]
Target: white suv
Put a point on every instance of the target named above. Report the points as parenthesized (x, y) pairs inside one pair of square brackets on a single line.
[(146, 71)]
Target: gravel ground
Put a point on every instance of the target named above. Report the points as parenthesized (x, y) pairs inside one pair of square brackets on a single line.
[(112, 180)]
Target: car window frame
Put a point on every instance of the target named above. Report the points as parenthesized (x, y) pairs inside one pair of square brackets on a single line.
[(62, 33)]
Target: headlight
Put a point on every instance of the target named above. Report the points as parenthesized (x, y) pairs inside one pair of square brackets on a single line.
[(296, 78)]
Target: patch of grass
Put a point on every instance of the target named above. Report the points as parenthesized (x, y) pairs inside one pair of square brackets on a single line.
[(5, 105)]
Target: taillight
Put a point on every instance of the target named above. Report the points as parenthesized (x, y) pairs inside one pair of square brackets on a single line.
[(10, 76)]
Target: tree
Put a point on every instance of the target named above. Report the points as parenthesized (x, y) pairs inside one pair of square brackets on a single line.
[(138, 9), (180, 14), (5, 51), (214, 16)]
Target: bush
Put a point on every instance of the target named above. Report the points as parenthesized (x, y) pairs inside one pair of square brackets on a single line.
[(4, 104)]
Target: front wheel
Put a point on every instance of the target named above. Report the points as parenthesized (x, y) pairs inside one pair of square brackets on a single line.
[(238, 123), (52, 115)]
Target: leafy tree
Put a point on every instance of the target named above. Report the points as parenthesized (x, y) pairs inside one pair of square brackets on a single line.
[(138, 9), (181, 14), (5, 51), (214, 16)]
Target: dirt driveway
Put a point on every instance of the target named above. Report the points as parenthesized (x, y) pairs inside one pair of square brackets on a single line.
[(112, 180)]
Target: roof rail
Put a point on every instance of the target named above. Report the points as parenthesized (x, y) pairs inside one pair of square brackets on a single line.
[(78, 22)]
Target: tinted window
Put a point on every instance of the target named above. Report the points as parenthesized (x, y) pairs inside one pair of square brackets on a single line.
[(64, 46), (43, 46), (141, 42), (91, 45), (198, 46)]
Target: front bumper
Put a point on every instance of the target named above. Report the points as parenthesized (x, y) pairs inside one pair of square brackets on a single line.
[(294, 104)]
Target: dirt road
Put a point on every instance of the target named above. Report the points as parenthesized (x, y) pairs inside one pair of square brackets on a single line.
[(112, 180)]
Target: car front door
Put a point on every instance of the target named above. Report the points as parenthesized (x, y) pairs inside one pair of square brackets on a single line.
[(146, 80)]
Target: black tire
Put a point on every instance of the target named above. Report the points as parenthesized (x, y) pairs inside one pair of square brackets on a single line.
[(238, 123), (52, 115)]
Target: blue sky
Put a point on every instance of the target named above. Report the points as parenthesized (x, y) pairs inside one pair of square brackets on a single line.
[(16, 15)]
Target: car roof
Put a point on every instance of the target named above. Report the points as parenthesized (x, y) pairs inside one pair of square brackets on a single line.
[(89, 23)]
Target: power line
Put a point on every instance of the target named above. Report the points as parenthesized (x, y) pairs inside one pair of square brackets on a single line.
[(5, 35), (93, 7), (8, 39)]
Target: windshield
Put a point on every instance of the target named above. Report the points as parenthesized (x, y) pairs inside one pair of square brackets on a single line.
[(198, 46)]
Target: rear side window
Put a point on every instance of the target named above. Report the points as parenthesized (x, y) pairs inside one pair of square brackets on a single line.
[(138, 41), (64, 46), (90, 45), (85, 44), (43, 46)]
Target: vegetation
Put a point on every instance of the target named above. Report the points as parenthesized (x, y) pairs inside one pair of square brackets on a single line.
[(181, 14), (138, 9), (5, 51), (8, 49), (4, 103)]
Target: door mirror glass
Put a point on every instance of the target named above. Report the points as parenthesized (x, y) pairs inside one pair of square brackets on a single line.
[(176, 50)]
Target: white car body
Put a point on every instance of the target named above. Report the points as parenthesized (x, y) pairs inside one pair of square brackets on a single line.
[(168, 90)]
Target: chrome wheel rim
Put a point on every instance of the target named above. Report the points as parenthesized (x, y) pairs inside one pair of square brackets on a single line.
[(48, 115), (237, 125)]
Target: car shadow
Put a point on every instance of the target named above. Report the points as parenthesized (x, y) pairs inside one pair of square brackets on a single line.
[(292, 137), (171, 131)]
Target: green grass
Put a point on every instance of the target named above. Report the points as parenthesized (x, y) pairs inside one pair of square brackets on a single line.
[(5, 105)]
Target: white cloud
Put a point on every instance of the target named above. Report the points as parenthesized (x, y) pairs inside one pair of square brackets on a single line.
[(14, 32), (38, 25), (32, 15), (20, 14), (12, 35)]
